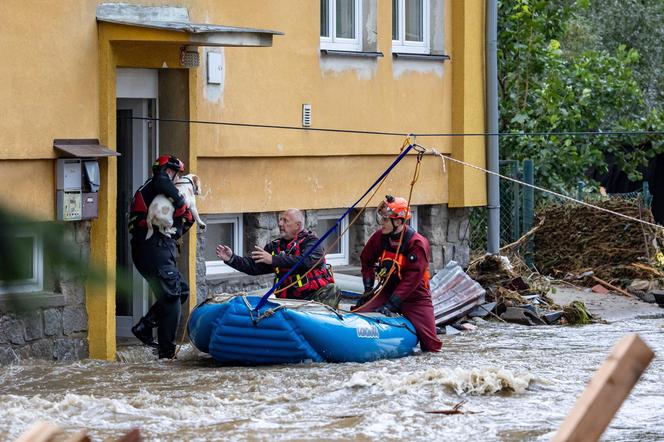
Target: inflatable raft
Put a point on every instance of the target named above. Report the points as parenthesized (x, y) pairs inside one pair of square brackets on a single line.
[(290, 331)]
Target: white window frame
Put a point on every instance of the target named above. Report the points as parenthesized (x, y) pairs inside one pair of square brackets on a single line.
[(342, 44), (218, 267), (401, 45), (342, 258), (413, 219), (36, 283)]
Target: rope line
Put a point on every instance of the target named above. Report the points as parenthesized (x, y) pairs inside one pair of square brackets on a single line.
[(403, 134), (541, 189), (403, 153)]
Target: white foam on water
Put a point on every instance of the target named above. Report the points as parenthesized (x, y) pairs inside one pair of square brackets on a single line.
[(480, 381)]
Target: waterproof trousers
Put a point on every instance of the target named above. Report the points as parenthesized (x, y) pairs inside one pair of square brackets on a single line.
[(420, 313), (155, 261)]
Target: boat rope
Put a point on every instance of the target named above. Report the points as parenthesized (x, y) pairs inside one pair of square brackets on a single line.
[(336, 241), (416, 174), (403, 153), (541, 189)]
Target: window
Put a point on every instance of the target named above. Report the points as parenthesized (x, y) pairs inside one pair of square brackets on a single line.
[(336, 251), (413, 219), (340, 25), (27, 275), (221, 229), (410, 26)]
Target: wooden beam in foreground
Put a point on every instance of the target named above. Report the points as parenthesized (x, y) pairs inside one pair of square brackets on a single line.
[(606, 391)]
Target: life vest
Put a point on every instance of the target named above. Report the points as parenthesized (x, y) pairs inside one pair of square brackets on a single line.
[(138, 211), (397, 258), (303, 286)]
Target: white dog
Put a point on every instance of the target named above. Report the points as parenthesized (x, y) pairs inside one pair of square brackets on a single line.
[(160, 212)]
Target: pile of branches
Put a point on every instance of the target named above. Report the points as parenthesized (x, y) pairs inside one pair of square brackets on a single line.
[(575, 240)]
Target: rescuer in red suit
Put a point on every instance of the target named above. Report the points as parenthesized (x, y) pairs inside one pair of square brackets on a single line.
[(406, 289)]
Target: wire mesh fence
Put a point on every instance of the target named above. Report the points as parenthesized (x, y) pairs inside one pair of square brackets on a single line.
[(511, 212)]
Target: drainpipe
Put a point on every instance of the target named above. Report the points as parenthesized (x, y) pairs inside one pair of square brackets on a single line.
[(492, 141)]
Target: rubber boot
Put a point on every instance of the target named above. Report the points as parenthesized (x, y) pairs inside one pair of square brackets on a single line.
[(143, 331)]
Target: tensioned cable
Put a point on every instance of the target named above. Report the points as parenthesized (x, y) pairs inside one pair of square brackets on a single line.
[(542, 189), (403, 153), (404, 134)]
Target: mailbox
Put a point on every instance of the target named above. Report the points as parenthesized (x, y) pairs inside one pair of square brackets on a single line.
[(78, 179)]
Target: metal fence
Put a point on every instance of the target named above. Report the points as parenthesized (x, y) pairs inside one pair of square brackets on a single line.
[(516, 209)]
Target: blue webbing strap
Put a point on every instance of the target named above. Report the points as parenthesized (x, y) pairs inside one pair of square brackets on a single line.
[(263, 300)]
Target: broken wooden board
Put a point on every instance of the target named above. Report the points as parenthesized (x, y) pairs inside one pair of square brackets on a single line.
[(606, 391)]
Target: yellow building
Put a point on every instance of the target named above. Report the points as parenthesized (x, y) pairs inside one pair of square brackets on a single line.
[(238, 89)]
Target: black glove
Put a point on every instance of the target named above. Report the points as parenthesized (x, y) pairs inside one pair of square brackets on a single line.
[(388, 309), (366, 296), (368, 285)]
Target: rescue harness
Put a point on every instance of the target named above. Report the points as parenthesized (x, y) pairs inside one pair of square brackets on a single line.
[(300, 285)]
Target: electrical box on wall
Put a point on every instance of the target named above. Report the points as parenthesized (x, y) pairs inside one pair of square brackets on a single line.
[(78, 178), (77, 184)]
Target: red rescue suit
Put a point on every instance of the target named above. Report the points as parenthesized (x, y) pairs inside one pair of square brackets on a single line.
[(408, 287)]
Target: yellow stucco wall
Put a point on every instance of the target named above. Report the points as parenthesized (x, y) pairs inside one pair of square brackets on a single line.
[(58, 81)]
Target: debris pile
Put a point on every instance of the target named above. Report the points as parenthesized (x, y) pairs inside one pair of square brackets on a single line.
[(517, 294), (579, 242)]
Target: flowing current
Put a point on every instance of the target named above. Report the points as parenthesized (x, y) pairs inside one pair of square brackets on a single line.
[(518, 383)]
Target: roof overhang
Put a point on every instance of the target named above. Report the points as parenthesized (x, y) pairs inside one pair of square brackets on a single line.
[(176, 19), (83, 148)]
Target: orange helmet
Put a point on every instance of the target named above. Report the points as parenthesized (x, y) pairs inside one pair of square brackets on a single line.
[(396, 208)]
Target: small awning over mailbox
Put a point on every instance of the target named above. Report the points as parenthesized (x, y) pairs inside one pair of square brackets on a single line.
[(172, 18), (83, 148)]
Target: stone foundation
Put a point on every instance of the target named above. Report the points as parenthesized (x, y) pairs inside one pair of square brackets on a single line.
[(51, 324)]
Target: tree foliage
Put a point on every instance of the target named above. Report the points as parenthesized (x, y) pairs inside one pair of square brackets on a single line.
[(546, 88)]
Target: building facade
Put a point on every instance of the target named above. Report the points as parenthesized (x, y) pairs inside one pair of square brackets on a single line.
[(238, 89)]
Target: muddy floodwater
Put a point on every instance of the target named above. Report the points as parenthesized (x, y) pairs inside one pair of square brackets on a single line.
[(518, 383)]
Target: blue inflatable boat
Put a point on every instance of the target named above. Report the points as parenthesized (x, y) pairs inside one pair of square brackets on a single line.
[(291, 331)]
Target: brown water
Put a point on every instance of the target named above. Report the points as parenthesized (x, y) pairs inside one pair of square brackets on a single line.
[(518, 384)]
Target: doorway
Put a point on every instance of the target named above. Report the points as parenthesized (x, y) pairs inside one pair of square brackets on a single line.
[(137, 143)]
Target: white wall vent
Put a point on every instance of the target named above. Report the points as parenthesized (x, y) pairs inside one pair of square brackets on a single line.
[(306, 115)]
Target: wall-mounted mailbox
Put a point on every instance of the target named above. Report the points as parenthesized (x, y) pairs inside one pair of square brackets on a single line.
[(78, 179)]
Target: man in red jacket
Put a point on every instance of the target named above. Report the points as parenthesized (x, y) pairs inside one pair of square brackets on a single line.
[(403, 273)]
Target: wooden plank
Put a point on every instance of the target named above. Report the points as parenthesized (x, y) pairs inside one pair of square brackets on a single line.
[(606, 391), (612, 287), (40, 432)]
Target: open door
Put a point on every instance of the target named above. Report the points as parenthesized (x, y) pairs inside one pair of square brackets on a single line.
[(137, 143)]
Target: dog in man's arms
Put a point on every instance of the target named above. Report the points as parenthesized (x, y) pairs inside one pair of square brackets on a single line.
[(160, 212)]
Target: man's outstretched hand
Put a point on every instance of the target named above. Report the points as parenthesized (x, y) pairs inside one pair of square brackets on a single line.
[(261, 256), (224, 252)]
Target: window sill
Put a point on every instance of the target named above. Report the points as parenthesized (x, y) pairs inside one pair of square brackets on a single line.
[(427, 57), (30, 301), (359, 54)]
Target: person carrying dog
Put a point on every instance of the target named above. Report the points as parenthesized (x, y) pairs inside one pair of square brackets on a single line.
[(403, 257), (283, 253), (154, 258)]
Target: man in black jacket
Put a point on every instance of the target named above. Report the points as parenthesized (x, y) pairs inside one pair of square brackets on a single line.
[(280, 255), (154, 258)]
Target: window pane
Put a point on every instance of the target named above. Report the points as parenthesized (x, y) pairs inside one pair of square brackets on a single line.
[(414, 20), (395, 19), (345, 19), (324, 18), (323, 226), (215, 234), (22, 260)]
